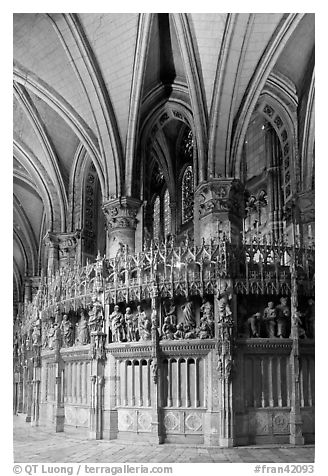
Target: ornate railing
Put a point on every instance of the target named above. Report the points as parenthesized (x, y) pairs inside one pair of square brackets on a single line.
[(256, 268)]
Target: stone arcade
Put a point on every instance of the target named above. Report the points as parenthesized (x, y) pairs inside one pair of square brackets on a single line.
[(164, 226)]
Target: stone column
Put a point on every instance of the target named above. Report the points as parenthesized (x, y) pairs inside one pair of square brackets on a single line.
[(220, 206), (27, 290), (69, 247), (35, 411), (59, 408), (111, 397), (121, 219), (98, 355), (296, 423), (155, 378), (62, 249), (29, 395), (97, 400), (305, 206), (51, 242), (225, 325)]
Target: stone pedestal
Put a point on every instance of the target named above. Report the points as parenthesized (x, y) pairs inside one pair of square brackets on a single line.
[(121, 219), (220, 207)]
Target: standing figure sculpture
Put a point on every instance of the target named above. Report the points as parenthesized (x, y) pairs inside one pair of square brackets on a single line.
[(170, 311), (188, 315), (118, 325), (51, 334), (269, 317), (130, 323), (82, 329), (96, 316), (283, 317), (66, 328)]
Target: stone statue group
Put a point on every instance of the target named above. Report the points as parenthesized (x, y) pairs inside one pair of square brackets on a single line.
[(188, 328), (275, 321), (129, 327)]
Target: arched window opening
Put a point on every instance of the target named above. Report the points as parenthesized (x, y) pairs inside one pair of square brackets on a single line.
[(265, 175), (187, 146), (157, 218), (167, 213), (187, 195), (92, 217)]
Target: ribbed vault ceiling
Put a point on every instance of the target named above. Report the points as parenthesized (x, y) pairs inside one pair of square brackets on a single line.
[(83, 79)]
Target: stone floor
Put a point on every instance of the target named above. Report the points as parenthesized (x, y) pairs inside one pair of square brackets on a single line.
[(39, 445)]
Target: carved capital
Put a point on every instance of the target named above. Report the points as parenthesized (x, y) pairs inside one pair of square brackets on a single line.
[(220, 195), (64, 242), (121, 212)]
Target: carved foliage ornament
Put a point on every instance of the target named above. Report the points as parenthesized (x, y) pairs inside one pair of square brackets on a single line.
[(121, 213), (221, 196)]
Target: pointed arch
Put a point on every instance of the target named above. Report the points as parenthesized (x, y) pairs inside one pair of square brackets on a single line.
[(63, 108), (75, 181), (18, 281), (91, 80), (139, 68), (196, 91), (42, 180), (29, 238), (257, 83), (49, 151), (307, 146), (234, 44)]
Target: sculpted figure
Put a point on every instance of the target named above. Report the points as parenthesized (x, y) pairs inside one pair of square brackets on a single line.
[(208, 318), (36, 333), (204, 329), (66, 328), (269, 317), (188, 314), (130, 322), (144, 324), (179, 333), (96, 315), (167, 329), (297, 321), (51, 335), (225, 312), (253, 325), (170, 311), (118, 325), (83, 336), (189, 332), (283, 316)]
